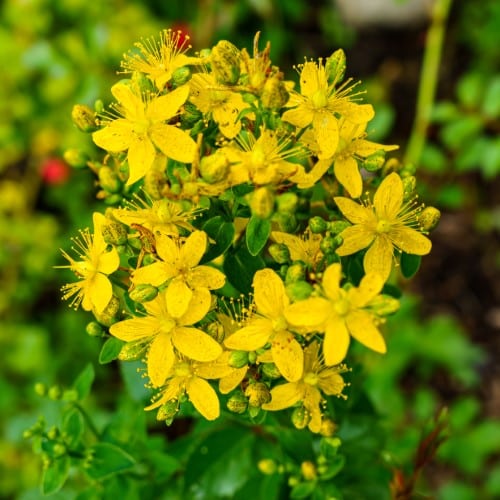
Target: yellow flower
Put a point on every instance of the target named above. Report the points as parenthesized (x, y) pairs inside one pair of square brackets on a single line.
[(164, 331), (341, 314), (269, 325), (159, 216), (305, 247), (224, 105), (159, 59), (179, 263), (141, 128), (319, 102), (315, 381), (263, 160), (386, 225), (189, 377), (94, 290)]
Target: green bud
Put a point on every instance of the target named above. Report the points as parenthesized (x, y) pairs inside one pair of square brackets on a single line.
[(225, 61), (280, 253), (374, 162), (329, 446), (216, 331), (75, 158), (115, 233), (295, 272), (143, 293), (214, 168), (286, 222), (155, 183), (252, 357), (308, 470), (40, 389), (139, 81), (257, 394), (110, 314), (330, 243), (132, 351), (299, 290), (287, 203), (274, 94), (409, 184), (168, 411), (318, 225), (300, 418), (237, 403), (205, 54), (238, 359), (94, 329), (113, 199), (328, 427), (248, 98), (55, 393), (267, 466), (53, 433), (84, 118), (98, 106), (109, 180), (59, 450), (262, 202), (270, 371), (70, 395), (335, 67), (429, 218), (337, 226), (408, 169), (181, 76)]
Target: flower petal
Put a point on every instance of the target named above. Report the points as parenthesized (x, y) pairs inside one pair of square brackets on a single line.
[(269, 293), (160, 359), (371, 285), (288, 356), (195, 344), (389, 197), (301, 117), (193, 249), (336, 341), (108, 262), (309, 313), (354, 212), (168, 249), (198, 307), (141, 156), (331, 281), (99, 292), (410, 240), (115, 136), (135, 328), (365, 148), (206, 277), (378, 258), (203, 397), (166, 106), (326, 132), (178, 297), (284, 396), (355, 239), (250, 337), (131, 104), (173, 142), (154, 274), (331, 382), (231, 381), (363, 329), (311, 79), (347, 173)]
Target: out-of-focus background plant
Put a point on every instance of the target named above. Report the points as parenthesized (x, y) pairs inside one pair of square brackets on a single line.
[(442, 345)]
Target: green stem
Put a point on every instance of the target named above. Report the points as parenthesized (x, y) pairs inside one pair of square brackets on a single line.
[(428, 81), (88, 421)]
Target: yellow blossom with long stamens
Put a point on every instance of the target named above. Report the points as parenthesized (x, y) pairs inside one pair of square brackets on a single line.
[(96, 262), (159, 59), (316, 381), (305, 247), (142, 126), (179, 264), (269, 325), (340, 314), (166, 331), (389, 223), (319, 104)]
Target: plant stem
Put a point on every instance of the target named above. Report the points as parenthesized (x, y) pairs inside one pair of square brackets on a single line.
[(88, 420), (428, 81)]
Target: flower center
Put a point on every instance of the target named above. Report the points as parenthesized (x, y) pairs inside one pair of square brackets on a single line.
[(141, 127), (279, 324), (182, 370), (311, 378), (342, 306), (258, 157), (383, 226), (319, 99), (167, 324)]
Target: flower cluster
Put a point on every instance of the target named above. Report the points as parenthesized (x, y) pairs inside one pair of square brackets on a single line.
[(250, 232)]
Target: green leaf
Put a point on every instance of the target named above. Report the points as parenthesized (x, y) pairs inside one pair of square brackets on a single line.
[(240, 268), (73, 426), (470, 90), (491, 100), (83, 382), (409, 264), (257, 234), (303, 490), (55, 475), (456, 133), (107, 460), (221, 235), (110, 350)]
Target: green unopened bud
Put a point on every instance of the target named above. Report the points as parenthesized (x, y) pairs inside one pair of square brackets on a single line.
[(274, 94), (75, 158), (329, 244), (335, 67), (429, 218), (225, 61), (115, 233), (168, 411), (280, 253), (132, 351), (328, 427), (40, 389), (257, 394), (237, 403), (374, 162), (318, 225), (214, 168), (84, 118), (300, 417), (53, 433), (155, 183), (299, 290), (94, 329), (110, 314), (337, 226), (270, 371), (409, 184), (286, 222), (295, 272), (181, 76), (190, 115), (143, 293), (262, 202), (308, 470), (109, 180), (55, 393), (238, 359), (329, 446), (59, 450), (287, 203), (267, 466)]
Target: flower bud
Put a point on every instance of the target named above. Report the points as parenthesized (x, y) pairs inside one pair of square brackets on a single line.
[(295, 272), (270, 371), (94, 329), (110, 313), (40, 389), (59, 450), (328, 427), (53, 433), (216, 331), (75, 158), (262, 202), (337, 226), (238, 359), (55, 392), (267, 466), (258, 394), (225, 61), (374, 162), (84, 118), (181, 76), (168, 411), (409, 184), (299, 290), (214, 168), (143, 293), (318, 225), (132, 351), (429, 218), (329, 244), (286, 222), (335, 67), (308, 470), (383, 305), (115, 233), (287, 203), (280, 253), (155, 183), (274, 94), (109, 180), (300, 417), (237, 403)]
